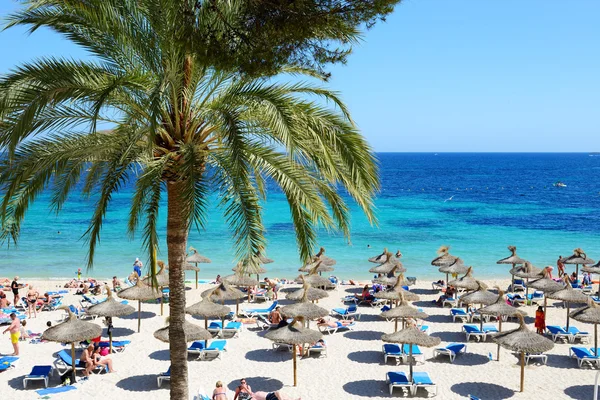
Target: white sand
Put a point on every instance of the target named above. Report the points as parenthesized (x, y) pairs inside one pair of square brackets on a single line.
[(354, 368)]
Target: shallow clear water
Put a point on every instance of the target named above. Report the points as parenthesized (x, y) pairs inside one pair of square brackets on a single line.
[(498, 200)]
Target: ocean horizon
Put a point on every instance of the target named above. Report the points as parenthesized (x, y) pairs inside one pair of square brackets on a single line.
[(477, 203)]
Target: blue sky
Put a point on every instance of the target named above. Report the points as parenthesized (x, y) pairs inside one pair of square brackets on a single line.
[(461, 75)]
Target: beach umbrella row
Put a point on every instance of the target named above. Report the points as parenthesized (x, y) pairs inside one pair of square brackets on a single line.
[(499, 308), (568, 295), (110, 308)]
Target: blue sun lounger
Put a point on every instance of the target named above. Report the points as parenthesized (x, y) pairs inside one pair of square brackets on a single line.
[(584, 355), (416, 352), (398, 380), (451, 350), (577, 334), (213, 351), (459, 313), (422, 380), (473, 330), (252, 312), (346, 313), (165, 376), (38, 373), (559, 332), (392, 351), (232, 328)]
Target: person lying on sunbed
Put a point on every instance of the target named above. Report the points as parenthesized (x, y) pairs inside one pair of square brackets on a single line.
[(332, 324)]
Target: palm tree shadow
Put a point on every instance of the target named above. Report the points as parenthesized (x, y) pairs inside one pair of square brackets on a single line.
[(489, 391), (140, 383), (160, 355), (366, 357), (258, 384), (580, 392), (368, 388)]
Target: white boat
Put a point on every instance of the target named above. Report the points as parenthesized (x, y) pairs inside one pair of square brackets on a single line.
[(559, 184)]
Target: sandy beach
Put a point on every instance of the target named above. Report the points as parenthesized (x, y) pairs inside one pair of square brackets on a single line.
[(353, 369)]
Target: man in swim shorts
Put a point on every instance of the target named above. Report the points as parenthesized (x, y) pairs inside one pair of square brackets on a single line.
[(15, 333)]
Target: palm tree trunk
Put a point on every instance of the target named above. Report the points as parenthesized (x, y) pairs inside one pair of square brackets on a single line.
[(176, 245)]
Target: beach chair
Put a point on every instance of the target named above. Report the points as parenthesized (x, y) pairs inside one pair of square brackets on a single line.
[(7, 362), (350, 299), (92, 300), (417, 354), (584, 355), (398, 380), (422, 380), (578, 335), (38, 373), (118, 346), (490, 329), (282, 346), (319, 349), (165, 376), (424, 329), (392, 351), (451, 350), (79, 312), (515, 299), (437, 285), (253, 312), (536, 356), (333, 329), (518, 284), (262, 295), (536, 297), (63, 363), (377, 302), (559, 332), (459, 313), (451, 301), (345, 313), (473, 330)]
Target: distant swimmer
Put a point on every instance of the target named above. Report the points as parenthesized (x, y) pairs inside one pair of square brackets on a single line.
[(449, 199), (368, 246)]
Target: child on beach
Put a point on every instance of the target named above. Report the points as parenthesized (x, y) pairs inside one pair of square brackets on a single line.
[(24, 334)]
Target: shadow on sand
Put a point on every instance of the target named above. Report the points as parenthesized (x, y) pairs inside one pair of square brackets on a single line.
[(160, 355), (580, 392), (366, 357), (258, 384), (488, 391), (264, 355), (118, 332), (467, 359), (141, 383), (363, 335), (143, 315), (367, 388), (449, 336)]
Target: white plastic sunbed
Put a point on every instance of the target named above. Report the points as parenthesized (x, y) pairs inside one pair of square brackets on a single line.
[(398, 380), (339, 326), (451, 350), (38, 373)]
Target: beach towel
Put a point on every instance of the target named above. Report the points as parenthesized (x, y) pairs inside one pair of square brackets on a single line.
[(54, 390)]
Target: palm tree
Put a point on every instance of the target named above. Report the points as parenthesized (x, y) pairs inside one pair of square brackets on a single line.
[(174, 125)]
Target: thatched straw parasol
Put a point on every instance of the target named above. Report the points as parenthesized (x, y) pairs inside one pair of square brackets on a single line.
[(321, 268), (320, 256), (192, 333), (196, 258), (223, 292), (238, 279), (514, 259), (527, 271), (403, 311), (312, 294), (522, 340), (589, 314), (314, 279), (499, 308), (263, 259), (110, 308), (479, 296), (578, 257), (207, 309), (392, 280), (396, 293), (466, 281), (304, 309), (72, 331), (381, 258), (568, 295), (161, 280), (444, 258), (294, 334), (457, 268), (140, 292), (545, 285), (391, 264), (411, 336)]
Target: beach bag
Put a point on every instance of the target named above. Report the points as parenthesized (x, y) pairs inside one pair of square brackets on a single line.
[(65, 378)]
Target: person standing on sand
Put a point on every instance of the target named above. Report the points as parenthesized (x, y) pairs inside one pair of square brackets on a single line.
[(32, 299), (137, 267), (561, 266), (14, 286), (540, 320), (15, 332)]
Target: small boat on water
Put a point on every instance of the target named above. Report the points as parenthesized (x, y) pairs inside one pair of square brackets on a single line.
[(559, 184)]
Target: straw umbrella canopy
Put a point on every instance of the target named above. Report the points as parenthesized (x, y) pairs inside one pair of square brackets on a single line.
[(192, 333), (312, 294), (162, 276), (320, 256), (480, 296), (238, 279), (522, 340), (593, 269), (527, 271), (140, 292), (263, 259), (578, 257), (513, 259), (444, 258), (569, 295), (304, 309), (589, 314), (321, 268), (458, 268), (396, 293), (380, 258), (499, 308), (294, 334), (224, 291), (466, 281), (393, 280), (254, 270), (545, 285), (391, 264), (73, 330), (110, 308), (403, 311), (196, 258), (411, 336)]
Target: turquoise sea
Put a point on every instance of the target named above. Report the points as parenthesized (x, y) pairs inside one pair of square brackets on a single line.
[(478, 203)]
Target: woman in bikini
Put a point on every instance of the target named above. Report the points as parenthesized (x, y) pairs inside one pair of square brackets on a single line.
[(32, 298), (219, 393), (244, 391)]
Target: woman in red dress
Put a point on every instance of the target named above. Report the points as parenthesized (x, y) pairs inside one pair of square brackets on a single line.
[(540, 320)]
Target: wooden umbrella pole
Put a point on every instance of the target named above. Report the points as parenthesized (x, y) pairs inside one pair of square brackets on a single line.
[(568, 308), (205, 327), (73, 363), (545, 302), (499, 330), (295, 377), (161, 303), (595, 339), (512, 281), (522, 370), (196, 278), (410, 362), (110, 341), (139, 315)]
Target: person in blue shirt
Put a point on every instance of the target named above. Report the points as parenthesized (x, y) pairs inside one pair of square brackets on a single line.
[(137, 267)]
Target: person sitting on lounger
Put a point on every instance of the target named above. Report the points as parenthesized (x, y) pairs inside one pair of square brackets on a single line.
[(4, 302), (86, 359), (365, 295), (332, 324), (244, 391), (275, 316), (47, 300), (102, 360), (449, 294), (116, 284), (219, 393)]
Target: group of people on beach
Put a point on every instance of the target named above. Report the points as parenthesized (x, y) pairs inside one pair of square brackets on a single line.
[(244, 392)]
